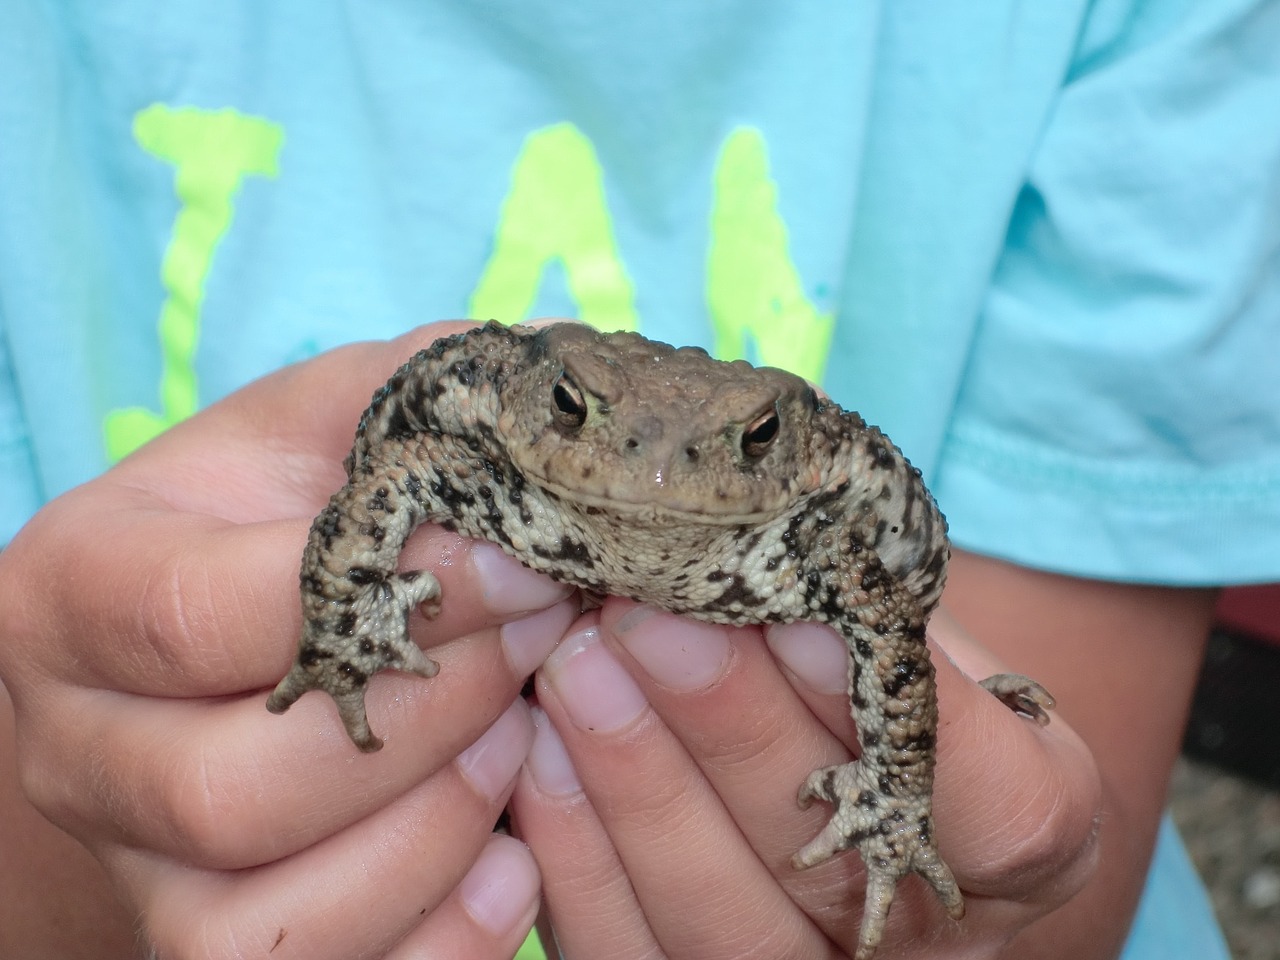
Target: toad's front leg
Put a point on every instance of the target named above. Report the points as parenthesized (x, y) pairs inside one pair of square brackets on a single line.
[(355, 606)]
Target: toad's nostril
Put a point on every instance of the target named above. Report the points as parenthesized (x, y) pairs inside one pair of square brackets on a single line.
[(642, 434)]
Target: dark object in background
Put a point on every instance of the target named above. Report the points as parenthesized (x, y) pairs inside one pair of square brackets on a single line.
[(1235, 724)]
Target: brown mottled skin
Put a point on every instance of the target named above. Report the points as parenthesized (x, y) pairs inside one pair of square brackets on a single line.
[(716, 490)]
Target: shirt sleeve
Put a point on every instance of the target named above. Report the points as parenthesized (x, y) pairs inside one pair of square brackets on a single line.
[(1119, 415)]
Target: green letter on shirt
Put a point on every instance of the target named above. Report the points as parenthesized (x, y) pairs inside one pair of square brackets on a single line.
[(754, 296), (556, 209), (212, 151)]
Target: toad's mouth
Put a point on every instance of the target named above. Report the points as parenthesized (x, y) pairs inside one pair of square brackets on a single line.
[(657, 499)]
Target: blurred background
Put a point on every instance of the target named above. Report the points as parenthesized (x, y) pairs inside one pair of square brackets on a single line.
[(1226, 791)]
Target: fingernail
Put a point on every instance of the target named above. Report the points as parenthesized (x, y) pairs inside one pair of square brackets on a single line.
[(527, 642), (507, 586), (814, 653), (679, 654), (597, 693), (548, 762), (501, 887), (490, 764)]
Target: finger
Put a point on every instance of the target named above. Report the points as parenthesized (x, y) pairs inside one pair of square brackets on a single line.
[(222, 783), (487, 916), (754, 759), (1023, 798), (701, 679), (146, 543), (670, 829), (285, 435), (593, 905), (203, 607), (279, 443), (355, 894)]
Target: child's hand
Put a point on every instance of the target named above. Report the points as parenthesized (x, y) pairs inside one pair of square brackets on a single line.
[(667, 829), (147, 614)]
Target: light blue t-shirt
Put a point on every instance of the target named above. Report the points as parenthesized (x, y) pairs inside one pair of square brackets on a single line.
[(1039, 243)]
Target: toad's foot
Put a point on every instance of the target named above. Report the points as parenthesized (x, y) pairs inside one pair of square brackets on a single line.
[(345, 641), (894, 834), (1022, 695)]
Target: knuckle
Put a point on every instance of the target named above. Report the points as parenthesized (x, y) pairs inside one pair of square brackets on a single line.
[(205, 811), (1051, 844), (41, 759), (182, 616), (42, 787), (177, 935), (660, 810), (173, 606), (24, 603), (756, 742)]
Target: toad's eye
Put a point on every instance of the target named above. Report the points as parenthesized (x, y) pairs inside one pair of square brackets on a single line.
[(760, 433), (568, 407)]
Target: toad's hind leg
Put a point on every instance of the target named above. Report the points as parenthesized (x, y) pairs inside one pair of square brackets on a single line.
[(1022, 695), (894, 834), (346, 641), (883, 801)]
